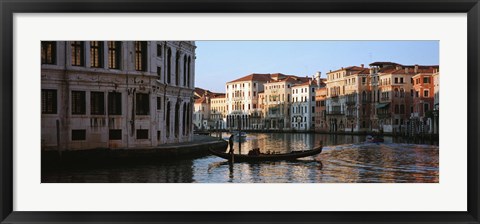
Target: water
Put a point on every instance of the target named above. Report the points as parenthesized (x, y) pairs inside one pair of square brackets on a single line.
[(345, 159)]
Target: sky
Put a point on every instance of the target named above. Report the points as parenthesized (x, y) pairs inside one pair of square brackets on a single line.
[(219, 62)]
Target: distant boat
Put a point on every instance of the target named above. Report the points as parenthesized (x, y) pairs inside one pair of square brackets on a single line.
[(239, 134), (267, 157), (374, 139)]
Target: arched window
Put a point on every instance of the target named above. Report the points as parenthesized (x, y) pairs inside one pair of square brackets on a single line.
[(169, 66), (396, 92), (177, 69), (364, 96), (185, 63), (177, 119), (184, 123), (402, 92), (189, 71), (168, 120)]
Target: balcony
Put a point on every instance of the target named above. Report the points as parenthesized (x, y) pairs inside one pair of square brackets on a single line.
[(351, 103), (335, 113)]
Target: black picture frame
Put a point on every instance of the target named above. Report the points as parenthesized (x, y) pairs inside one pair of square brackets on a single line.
[(9, 7)]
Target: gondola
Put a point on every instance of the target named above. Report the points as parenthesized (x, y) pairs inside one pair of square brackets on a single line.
[(267, 157)]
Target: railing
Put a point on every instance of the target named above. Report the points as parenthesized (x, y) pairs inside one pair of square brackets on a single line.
[(335, 113)]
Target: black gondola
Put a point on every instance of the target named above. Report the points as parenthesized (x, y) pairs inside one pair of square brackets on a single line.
[(267, 157)]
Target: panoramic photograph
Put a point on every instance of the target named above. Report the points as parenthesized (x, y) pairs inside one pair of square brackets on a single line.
[(240, 111)]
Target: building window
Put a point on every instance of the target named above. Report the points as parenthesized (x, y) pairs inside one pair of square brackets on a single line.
[(426, 79), (115, 134), (78, 53), (426, 107), (78, 102), (97, 103), (114, 103), (425, 93), (396, 80), (96, 54), (114, 54), (49, 101), (49, 52), (140, 55), (159, 50), (78, 135), (169, 66), (142, 133), (142, 104), (159, 103), (401, 79)]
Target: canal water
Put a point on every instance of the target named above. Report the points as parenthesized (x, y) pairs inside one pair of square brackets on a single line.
[(345, 159)]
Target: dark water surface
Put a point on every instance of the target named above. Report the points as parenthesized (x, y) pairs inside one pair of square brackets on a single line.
[(345, 159)]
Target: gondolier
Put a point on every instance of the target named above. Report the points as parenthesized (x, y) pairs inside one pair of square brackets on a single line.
[(230, 142)]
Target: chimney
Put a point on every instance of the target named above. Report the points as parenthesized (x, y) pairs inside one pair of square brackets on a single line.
[(362, 65), (416, 69), (317, 78)]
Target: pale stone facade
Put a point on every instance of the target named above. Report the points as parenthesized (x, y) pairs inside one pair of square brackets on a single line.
[(218, 111), (116, 94), (242, 100), (303, 106)]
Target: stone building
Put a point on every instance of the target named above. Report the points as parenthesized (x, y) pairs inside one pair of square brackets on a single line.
[(278, 97), (201, 113), (242, 100), (303, 106), (116, 94), (218, 111), (321, 124), (393, 95), (348, 91)]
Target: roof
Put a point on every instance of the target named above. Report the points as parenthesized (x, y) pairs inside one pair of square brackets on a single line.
[(409, 69), (254, 77), (365, 71), (202, 99), (383, 63), (349, 68), (307, 83), (218, 95)]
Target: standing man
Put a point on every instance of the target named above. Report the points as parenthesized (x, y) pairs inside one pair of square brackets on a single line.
[(230, 142)]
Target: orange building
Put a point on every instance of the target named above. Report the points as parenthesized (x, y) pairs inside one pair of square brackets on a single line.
[(394, 94), (321, 124)]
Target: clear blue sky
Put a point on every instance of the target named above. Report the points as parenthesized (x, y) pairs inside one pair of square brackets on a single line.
[(221, 61)]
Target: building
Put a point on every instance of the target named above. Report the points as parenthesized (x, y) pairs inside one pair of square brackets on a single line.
[(278, 100), (218, 111), (423, 100), (116, 94), (201, 113), (321, 124), (394, 94), (242, 99), (303, 106), (348, 91), (436, 100)]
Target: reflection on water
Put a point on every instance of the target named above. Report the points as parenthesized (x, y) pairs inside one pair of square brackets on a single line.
[(345, 159)]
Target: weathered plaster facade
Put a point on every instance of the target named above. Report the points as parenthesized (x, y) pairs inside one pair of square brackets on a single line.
[(116, 94)]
